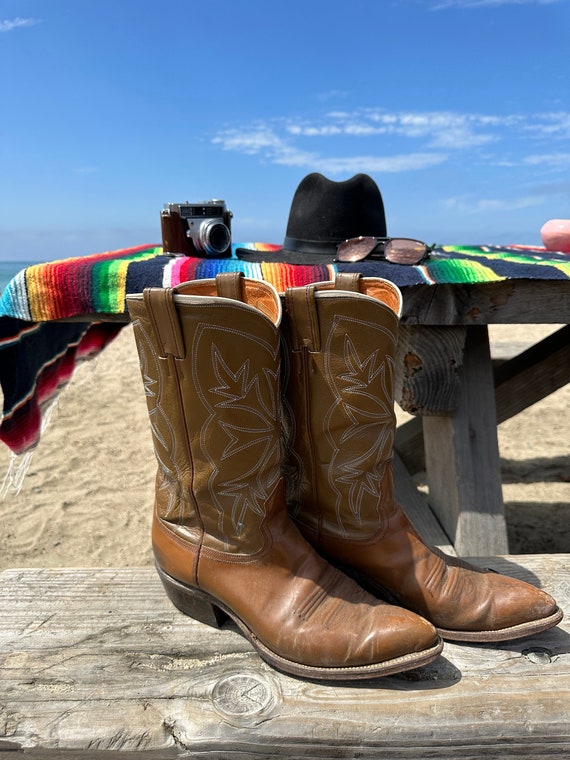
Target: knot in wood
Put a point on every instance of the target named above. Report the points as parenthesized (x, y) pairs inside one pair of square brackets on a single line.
[(538, 655), (243, 697)]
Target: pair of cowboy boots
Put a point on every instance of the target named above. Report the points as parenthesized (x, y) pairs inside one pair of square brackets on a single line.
[(247, 528)]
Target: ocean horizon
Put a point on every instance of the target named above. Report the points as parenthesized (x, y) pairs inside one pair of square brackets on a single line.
[(9, 269)]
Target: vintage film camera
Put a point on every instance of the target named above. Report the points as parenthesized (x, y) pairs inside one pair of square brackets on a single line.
[(197, 229)]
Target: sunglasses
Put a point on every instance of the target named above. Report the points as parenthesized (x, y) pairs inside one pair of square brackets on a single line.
[(395, 250)]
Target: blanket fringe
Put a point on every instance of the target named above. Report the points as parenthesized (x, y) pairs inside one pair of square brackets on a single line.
[(20, 463)]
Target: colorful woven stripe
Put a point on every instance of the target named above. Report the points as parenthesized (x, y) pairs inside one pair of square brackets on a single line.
[(38, 355), (98, 284), (71, 287)]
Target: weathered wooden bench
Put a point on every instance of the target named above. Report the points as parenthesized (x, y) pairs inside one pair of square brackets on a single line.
[(96, 661)]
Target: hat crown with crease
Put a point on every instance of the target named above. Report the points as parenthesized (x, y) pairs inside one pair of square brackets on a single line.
[(324, 213), (327, 211)]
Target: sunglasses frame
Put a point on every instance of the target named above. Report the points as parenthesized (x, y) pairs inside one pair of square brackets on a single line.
[(372, 254)]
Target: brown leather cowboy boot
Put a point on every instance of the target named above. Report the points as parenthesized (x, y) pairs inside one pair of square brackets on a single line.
[(224, 543), (339, 390)]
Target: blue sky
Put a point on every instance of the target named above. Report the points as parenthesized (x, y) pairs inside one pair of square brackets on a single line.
[(459, 109)]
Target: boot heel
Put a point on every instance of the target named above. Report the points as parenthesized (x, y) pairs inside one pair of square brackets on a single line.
[(192, 602)]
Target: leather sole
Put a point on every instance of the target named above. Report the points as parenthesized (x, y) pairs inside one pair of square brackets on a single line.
[(206, 609), (520, 631)]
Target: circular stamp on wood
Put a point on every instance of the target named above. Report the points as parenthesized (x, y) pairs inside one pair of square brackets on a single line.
[(245, 698)]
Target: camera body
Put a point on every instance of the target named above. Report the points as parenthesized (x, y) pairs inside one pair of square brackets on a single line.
[(197, 229)]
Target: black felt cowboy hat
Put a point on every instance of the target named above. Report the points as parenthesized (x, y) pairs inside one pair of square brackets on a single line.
[(324, 214)]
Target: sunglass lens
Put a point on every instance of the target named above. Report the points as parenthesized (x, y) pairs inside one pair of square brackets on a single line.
[(404, 251), (356, 249)]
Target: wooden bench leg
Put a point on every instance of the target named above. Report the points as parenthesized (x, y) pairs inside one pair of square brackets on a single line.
[(462, 458)]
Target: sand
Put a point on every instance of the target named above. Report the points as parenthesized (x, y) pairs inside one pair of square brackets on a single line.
[(86, 499)]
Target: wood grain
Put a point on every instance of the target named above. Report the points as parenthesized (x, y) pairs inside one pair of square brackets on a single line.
[(95, 661), (504, 302), (428, 363)]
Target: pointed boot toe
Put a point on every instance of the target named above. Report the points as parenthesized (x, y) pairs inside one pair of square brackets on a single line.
[(358, 634), (412, 636), (507, 609)]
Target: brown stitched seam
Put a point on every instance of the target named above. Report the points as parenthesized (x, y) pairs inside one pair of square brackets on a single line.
[(309, 433), (171, 310), (174, 370), (317, 597)]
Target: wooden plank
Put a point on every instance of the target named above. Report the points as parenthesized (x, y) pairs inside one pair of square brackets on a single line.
[(505, 302), (462, 459), (95, 661), (409, 443), (532, 375)]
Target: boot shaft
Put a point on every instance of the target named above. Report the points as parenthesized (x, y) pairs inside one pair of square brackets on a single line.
[(210, 368), (339, 402)]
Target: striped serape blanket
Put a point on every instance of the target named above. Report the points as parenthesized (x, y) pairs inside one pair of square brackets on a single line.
[(38, 353)]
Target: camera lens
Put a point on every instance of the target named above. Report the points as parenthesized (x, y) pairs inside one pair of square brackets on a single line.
[(214, 238)]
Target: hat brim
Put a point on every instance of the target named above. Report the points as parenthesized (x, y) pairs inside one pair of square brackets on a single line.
[(284, 256)]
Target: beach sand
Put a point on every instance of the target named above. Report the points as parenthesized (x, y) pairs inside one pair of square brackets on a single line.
[(86, 499)]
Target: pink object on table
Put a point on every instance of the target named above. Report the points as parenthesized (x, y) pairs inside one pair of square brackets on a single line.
[(555, 235)]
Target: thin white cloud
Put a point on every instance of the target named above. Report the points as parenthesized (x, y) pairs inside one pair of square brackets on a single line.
[(383, 164), (551, 125), (490, 205), (85, 169), (8, 25), (406, 140), (263, 141), (266, 143), (556, 160), (442, 129), (249, 142), (331, 95), (445, 4)]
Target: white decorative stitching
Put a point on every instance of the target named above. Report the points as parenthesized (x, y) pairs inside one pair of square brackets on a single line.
[(243, 408), (359, 451)]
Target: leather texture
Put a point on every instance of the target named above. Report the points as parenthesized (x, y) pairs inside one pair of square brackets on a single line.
[(341, 340), (211, 372)]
